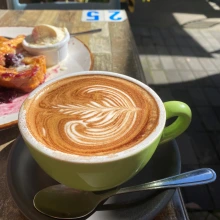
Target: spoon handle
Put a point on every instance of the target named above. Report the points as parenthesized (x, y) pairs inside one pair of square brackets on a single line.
[(191, 178), (86, 32)]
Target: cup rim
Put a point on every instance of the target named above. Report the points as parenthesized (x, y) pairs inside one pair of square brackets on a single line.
[(61, 156), (47, 47)]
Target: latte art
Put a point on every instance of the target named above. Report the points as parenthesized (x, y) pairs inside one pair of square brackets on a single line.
[(100, 122), (92, 115)]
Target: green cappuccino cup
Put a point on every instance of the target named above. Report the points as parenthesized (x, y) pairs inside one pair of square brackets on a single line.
[(95, 130)]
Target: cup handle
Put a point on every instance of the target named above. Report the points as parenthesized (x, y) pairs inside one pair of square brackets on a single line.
[(183, 114)]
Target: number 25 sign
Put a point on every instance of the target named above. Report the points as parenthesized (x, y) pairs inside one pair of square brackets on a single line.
[(100, 15)]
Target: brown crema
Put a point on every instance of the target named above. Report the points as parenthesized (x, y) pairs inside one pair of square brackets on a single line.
[(91, 115)]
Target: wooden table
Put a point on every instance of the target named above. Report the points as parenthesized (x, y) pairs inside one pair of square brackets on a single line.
[(114, 50)]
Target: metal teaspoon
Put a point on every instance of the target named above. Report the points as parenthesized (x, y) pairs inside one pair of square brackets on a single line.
[(86, 32), (77, 33), (63, 202)]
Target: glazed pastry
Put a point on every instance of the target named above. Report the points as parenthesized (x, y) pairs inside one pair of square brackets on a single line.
[(27, 76), (17, 71), (11, 45)]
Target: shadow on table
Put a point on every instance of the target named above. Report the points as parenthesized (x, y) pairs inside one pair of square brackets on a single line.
[(8, 134)]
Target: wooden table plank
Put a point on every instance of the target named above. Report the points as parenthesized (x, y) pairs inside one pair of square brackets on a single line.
[(11, 17), (2, 12)]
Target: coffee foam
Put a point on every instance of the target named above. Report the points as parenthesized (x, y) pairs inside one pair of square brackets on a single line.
[(99, 118), (102, 122)]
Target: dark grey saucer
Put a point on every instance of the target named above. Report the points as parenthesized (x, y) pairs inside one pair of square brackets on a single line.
[(26, 178)]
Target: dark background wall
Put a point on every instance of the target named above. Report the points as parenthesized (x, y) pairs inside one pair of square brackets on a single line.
[(3, 4)]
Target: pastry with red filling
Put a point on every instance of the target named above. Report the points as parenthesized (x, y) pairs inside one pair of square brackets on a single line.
[(17, 71)]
